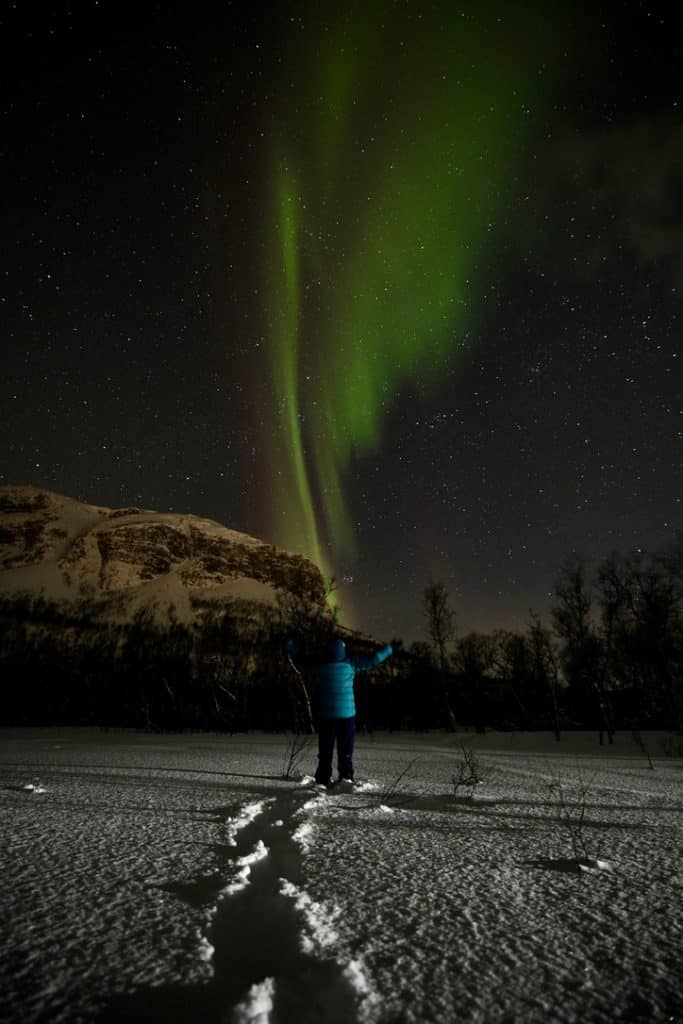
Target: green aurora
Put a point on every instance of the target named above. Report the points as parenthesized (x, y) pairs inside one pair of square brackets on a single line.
[(395, 146)]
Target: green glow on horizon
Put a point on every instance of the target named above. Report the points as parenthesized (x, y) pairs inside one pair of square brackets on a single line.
[(397, 150)]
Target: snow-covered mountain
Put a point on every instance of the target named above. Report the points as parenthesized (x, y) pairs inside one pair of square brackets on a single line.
[(129, 558)]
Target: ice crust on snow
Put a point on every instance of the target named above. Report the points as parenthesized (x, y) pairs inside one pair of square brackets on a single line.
[(258, 853), (204, 948), (369, 1000), (320, 935), (243, 866), (476, 911), (304, 836), (245, 817), (258, 1005), (35, 787)]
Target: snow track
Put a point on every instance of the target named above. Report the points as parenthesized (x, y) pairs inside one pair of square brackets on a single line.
[(181, 879), (269, 944)]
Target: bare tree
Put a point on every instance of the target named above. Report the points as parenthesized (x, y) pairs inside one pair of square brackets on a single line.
[(306, 698), (641, 601), (511, 658), (311, 618), (475, 654), (583, 651), (441, 631), (544, 665)]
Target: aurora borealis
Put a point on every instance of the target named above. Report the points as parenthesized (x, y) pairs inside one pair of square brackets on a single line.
[(387, 195), (393, 284)]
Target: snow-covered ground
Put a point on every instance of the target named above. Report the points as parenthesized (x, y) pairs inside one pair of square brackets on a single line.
[(180, 878)]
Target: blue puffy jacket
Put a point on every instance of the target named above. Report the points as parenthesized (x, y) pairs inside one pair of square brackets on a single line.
[(333, 678)]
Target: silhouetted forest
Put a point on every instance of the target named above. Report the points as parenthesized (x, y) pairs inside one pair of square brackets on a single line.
[(609, 658)]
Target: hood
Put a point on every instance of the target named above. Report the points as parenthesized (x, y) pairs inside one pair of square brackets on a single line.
[(336, 649)]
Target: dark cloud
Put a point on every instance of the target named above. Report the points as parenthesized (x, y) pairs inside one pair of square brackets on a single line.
[(614, 193)]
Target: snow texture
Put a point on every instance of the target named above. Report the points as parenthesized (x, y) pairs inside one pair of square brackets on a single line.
[(243, 869), (305, 834), (245, 817), (258, 1005), (319, 935), (136, 867)]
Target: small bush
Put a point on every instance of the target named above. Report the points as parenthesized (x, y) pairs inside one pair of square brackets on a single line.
[(469, 773)]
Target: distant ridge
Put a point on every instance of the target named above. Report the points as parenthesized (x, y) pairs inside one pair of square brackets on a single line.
[(126, 559)]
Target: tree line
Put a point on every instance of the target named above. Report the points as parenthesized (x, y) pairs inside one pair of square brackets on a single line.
[(609, 658)]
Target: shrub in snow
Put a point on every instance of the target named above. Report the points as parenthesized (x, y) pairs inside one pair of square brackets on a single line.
[(639, 741), (393, 792), (294, 752), (469, 772), (571, 813)]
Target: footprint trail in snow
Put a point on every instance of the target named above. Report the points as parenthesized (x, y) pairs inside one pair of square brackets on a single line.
[(269, 945)]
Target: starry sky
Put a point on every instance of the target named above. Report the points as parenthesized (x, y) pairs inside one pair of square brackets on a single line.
[(394, 284)]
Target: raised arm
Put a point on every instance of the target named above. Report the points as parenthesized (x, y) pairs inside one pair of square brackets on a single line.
[(364, 664)]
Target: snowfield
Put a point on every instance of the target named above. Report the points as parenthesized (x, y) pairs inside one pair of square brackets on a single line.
[(180, 878)]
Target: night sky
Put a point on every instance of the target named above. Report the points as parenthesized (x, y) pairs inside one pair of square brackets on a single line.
[(395, 284)]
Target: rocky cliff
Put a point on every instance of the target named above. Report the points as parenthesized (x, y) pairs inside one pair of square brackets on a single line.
[(129, 558)]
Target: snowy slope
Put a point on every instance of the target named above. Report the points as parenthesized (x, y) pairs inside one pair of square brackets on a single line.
[(180, 879), (66, 550)]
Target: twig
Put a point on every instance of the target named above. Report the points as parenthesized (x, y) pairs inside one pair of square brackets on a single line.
[(306, 697), (468, 774), (293, 753), (573, 817), (640, 743), (391, 792)]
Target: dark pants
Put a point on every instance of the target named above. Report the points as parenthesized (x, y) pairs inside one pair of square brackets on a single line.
[(343, 732)]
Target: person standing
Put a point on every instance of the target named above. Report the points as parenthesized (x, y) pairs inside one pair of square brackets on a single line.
[(334, 705)]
